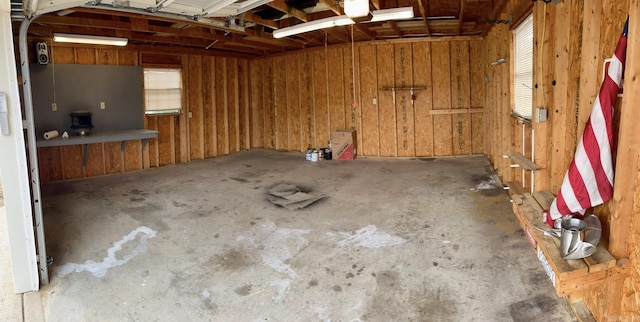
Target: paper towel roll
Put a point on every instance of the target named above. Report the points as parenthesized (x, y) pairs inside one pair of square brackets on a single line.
[(51, 134)]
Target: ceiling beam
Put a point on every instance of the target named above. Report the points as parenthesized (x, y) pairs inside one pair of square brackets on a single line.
[(376, 4), (249, 16), (281, 6), (460, 16), (424, 14)]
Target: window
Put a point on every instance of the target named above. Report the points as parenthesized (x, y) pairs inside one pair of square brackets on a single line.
[(523, 69), (162, 91)]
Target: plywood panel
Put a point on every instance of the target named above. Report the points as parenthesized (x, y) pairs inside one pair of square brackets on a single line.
[(72, 161), (335, 90), (386, 104), (154, 159), (369, 94), (443, 135), (85, 56), (257, 114), (244, 116), (477, 96), (62, 55), (320, 98), (268, 96), (95, 161), (441, 75), (404, 107), (106, 56), (280, 101), (166, 143), (441, 80), (461, 96), (424, 99), (128, 58), (208, 106), (307, 116), (133, 155), (293, 104), (113, 162), (196, 111), (233, 105), (352, 99), (50, 164), (476, 66), (222, 125)]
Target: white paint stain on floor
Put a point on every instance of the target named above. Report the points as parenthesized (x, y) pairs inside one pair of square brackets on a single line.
[(368, 237), (282, 289), (100, 269), (489, 184), (276, 245)]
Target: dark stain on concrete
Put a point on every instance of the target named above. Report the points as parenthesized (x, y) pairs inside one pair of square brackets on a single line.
[(243, 290), (232, 260), (313, 282), (427, 159), (136, 191), (492, 192), (456, 247), (134, 199), (210, 306), (241, 180), (434, 305), (216, 236), (435, 264), (349, 275), (337, 288), (537, 308), (179, 204)]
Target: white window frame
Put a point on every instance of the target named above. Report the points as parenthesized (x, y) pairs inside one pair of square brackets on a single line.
[(523, 69), (163, 94)]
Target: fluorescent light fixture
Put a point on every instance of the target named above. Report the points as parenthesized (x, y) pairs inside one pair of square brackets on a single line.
[(392, 14), (313, 25), (217, 5), (87, 39), (356, 8)]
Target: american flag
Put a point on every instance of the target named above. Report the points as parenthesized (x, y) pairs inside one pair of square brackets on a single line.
[(589, 179)]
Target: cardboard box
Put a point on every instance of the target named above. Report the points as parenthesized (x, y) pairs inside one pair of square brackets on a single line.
[(343, 145)]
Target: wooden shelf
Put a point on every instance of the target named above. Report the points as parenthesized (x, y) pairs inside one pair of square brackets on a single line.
[(523, 162), (99, 137), (567, 276)]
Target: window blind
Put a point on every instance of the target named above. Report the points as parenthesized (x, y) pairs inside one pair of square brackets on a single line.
[(523, 68), (162, 91)]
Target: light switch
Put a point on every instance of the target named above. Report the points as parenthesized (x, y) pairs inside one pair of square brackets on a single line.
[(102, 106), (54, 107), (375, 101)]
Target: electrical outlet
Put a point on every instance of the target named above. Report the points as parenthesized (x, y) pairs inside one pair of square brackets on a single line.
[(190, 115), (54, 107), (375, 101), (102, 106), (541, 113)]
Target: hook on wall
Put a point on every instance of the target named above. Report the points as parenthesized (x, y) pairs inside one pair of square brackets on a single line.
[(548, 1)]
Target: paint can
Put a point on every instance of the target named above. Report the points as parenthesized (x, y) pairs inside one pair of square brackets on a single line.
[(308, 155), (314, 156), (328, 155), (320, 154)]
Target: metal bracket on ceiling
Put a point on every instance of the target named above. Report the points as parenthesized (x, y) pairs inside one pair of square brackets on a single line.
[(231, 22), (499, 21)]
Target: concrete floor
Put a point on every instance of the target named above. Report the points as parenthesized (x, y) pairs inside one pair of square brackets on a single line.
[(393, 240)]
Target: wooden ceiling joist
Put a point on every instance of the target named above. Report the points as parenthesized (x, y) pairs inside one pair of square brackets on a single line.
[(424, 14), (281, 6), (460, 17)]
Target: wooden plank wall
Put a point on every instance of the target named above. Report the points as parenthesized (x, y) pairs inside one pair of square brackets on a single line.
[(567, 76), (216, 119), (316, 92)]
